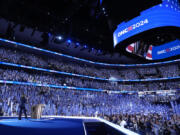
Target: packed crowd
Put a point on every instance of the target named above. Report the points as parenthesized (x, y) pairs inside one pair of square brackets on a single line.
[(131, 110), (151, 124), (47, 78), (79, 102), (143, 114), (20, 57), (149, 114)]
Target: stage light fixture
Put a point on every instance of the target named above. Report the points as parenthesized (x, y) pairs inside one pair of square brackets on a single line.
[(59, 37)]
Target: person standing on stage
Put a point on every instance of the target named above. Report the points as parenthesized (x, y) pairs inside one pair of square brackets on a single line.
[(22, 106), (1, 106)]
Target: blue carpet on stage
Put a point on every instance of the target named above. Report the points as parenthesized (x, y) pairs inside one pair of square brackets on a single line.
[(45, 126)]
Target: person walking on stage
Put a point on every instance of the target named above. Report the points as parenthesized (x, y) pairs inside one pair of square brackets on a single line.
[(22, 106)]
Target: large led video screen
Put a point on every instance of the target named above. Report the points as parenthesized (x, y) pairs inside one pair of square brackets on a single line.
[(166, 14), (167, 50)]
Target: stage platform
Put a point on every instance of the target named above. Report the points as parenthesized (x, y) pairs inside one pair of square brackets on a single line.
[(58, 126)]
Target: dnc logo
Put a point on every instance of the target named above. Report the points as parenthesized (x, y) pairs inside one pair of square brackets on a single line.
[(169, 50), (134, 26)]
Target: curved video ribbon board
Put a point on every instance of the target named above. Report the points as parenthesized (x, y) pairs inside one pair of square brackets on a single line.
[(166, 50), (163, 15)]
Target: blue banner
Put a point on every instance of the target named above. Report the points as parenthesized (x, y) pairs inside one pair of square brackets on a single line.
[(101, 1)]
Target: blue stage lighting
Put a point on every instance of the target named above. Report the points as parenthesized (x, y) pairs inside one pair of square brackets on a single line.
[(101, 1), (85, 46), (49, 34), (69, 41), (77, 44)]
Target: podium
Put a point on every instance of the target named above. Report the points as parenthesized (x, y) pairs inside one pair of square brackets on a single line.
[(36, 111)]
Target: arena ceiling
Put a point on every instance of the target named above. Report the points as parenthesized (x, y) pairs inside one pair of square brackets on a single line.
[(87, 21)]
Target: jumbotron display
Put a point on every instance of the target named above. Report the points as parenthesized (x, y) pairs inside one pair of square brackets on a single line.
[(164, 15)]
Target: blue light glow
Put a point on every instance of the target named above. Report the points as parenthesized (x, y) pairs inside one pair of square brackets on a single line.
[(59, 37), (69, 41), (77, 44), (101, 1)]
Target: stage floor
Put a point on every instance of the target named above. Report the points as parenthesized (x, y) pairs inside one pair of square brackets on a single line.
[(60, 125), (44, 126)]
